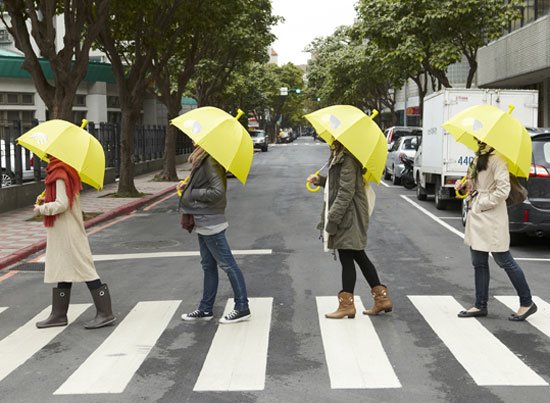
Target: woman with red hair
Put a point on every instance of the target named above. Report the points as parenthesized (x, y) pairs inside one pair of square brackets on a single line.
[(68, 255)]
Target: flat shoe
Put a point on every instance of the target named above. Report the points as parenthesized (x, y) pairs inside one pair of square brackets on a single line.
[(519, 318), (476, 314)]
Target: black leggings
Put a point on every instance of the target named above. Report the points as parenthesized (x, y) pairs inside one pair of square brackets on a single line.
[(92, 285), (347, 256)]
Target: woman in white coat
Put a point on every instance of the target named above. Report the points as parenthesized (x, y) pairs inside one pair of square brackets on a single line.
[(487, 231), (68, 254)]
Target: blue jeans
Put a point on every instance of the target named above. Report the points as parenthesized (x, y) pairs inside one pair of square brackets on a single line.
[(480, 260), (215, 251)]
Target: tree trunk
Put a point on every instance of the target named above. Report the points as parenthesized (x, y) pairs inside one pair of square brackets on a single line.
[(169, 172), (128, 126), (472, 62)]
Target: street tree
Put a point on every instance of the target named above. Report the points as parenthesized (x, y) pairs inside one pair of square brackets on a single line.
[(33, 27), (134, 39)]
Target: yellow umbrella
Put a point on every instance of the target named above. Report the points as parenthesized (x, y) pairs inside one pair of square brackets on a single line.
[(71, 144), (220, 135), (497, 128), (358, 133)]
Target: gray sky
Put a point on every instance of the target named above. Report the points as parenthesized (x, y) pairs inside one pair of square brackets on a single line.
[(304, 21)]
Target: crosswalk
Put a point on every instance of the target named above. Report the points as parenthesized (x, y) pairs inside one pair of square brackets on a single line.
[(238, 354)]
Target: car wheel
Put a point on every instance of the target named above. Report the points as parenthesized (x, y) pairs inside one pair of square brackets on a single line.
[(386, 174), (264, 149), (394, 179), (8, 178), (464, 212)]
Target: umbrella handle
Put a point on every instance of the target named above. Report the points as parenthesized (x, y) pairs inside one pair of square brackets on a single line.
[(460, 195), (310, 187), (183, 182)]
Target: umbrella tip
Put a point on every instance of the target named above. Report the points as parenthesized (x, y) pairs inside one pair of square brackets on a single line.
[(84, 123), (239, 114), (510, 109), (373, 114)]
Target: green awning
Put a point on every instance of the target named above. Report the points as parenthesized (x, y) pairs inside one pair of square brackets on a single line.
[(10, 66)]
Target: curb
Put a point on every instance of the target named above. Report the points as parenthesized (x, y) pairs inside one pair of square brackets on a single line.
[(108, 215)]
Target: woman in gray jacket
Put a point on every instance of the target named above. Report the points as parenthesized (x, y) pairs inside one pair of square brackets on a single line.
[(344, 223), (204, 197)]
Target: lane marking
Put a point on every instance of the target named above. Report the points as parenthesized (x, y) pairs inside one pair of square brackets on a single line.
[(531, 259), (149, 207), (3, 308), (384, 184), (354, 353), (483, 356), (156, 255), (451, 218), (540, 319), (22, 344), (433, 217), (113, 364), (9, 274), (237, 358)]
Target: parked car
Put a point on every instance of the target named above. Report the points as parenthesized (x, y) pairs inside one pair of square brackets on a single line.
[(395, 132), (259, 139), (394, 165), (532, 217), (8, 167)]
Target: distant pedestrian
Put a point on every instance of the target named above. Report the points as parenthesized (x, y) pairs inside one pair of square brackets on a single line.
[(344, 224), (204, 197), (487, 231), (68, 255)]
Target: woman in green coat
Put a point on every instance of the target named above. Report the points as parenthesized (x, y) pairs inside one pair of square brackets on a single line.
[(344, 223)]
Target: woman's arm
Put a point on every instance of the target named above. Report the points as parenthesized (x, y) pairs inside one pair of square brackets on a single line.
[(344, 195), (61, 203), (488, 201), (216, 184)]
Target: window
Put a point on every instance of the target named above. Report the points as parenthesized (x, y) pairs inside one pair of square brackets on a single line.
[(4, 36), (79, 100), (113, 102), (12, 98), (78, 116), (16, 98), (27, 99)]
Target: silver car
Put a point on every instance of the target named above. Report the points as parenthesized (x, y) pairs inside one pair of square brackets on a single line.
[(394, 166)]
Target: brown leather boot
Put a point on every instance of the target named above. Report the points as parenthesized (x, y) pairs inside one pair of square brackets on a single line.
[(382, 301), (346, 307)]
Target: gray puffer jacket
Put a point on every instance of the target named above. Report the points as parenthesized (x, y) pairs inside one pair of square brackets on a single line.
[(348, 209), (205, 193)]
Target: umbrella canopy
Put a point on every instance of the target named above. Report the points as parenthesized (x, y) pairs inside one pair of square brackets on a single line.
[(497, 128), (357, 132), (221, 136), (71, 144)]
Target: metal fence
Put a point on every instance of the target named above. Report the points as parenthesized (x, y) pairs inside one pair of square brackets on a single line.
[(17, 164)]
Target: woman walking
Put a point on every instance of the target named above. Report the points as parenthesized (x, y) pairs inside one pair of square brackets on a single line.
[(344, 223), (68, 254), (487, 231), (204, 197)]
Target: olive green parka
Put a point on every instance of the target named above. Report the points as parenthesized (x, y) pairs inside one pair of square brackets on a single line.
[(348, 210)]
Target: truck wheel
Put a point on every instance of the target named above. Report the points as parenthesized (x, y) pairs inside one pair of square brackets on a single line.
[(394, 179), (386, 174), (439, 203), (464, 212), (421, 192)]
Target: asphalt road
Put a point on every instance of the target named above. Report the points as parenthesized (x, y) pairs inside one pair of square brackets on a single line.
[(417, 353)]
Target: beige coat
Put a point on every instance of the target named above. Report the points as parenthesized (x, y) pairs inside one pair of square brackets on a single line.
[(68, 254), (487, 223)]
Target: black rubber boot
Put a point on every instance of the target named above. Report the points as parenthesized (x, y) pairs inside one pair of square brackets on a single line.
[(102, 302), (60, 305)]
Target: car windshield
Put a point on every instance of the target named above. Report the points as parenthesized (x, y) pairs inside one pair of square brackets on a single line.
[(408, 144), (257, 134), (541, 151)]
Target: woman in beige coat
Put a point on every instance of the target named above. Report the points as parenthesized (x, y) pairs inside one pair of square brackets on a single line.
[(487, 231), (68, 254)]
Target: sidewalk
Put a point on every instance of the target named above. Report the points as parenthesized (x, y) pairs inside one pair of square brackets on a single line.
[(20, 238)]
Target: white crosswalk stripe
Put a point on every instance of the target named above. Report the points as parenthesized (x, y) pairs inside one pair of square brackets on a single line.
[(486, 358), (541, 320), (237, 357), (238, 353), (351, 348), (109, 368), (23, 343)]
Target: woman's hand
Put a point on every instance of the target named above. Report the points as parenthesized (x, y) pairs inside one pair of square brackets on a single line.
[(313, 179), (36, 209), (181, 186), (464, 187)]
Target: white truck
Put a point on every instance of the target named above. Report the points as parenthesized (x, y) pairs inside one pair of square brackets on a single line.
[(440, 160)]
